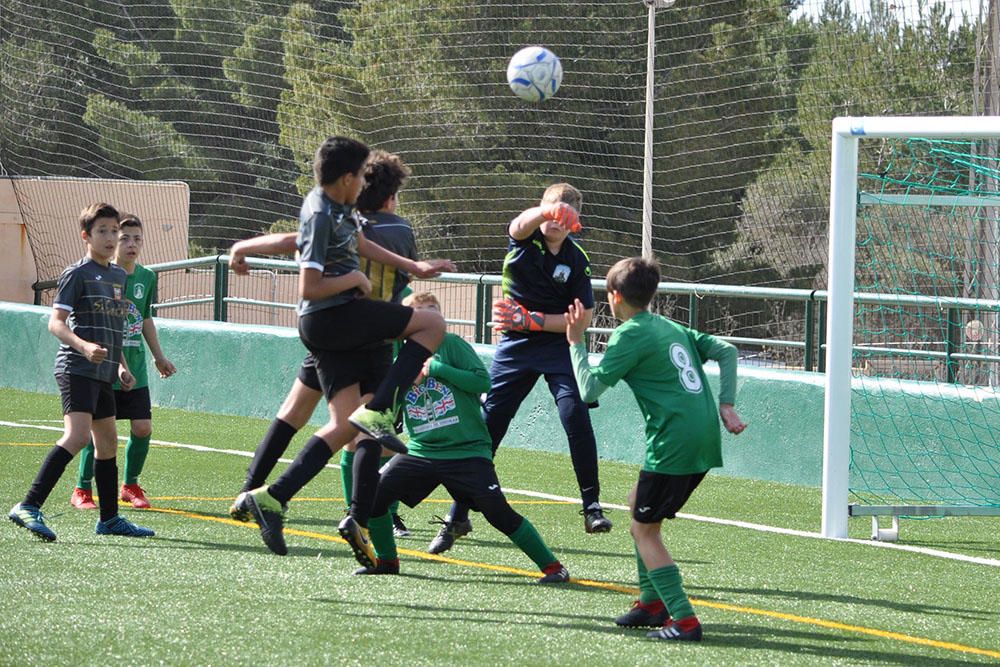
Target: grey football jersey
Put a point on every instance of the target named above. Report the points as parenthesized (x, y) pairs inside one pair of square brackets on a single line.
[(94, 295), (327, 242)]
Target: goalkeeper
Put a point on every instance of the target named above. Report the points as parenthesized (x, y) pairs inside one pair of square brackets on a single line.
[(544, 271)]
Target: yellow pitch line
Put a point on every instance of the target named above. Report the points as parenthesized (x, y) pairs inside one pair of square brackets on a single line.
[(330, 500), (795, 618), (834, 625)]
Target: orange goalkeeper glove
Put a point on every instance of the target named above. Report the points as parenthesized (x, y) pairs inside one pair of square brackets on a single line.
[(509, 315), (563, 215)]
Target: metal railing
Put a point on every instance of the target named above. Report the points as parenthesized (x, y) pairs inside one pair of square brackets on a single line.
[(813, 342)]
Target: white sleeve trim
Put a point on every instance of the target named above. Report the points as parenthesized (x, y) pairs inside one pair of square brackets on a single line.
[(63, 306), (312, 265)]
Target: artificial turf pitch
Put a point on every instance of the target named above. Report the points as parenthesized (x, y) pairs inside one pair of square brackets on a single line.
[(205, 591)]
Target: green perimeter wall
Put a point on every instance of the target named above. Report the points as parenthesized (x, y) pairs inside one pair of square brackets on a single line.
[(247, 370)]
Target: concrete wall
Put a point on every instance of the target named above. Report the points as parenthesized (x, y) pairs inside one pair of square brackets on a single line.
[(247, 370), (17, 264)]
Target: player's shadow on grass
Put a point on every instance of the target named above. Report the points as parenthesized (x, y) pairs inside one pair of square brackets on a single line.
[(496, 540), (496, 578), (293, 551), (506, 616), (806, 644), (711, 593), (844, 647)]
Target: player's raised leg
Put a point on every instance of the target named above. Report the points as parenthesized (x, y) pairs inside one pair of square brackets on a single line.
[(423, 333)]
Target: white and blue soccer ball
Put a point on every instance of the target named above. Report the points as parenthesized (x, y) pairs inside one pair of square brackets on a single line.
[(534, 73)]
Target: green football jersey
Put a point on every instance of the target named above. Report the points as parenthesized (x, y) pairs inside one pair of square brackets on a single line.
[(661, 362), (443, 416), (140, 291)]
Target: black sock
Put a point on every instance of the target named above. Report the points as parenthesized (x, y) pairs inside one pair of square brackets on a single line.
[(270, 449), (50, 472), (592, 496), (306, 465), (367, 460), (401, 375), (458, 513), (106, 482)]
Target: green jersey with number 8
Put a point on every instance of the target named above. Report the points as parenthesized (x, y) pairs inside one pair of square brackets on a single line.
[(661, 361)]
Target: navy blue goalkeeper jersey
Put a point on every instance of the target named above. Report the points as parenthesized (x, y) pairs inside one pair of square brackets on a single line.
[(546, 282)]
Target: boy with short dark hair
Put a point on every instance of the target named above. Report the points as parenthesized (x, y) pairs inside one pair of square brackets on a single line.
[(385, 175), (132, 404), (344, 331), (450, 446), (661, 361), (88, 318), (544, 271)]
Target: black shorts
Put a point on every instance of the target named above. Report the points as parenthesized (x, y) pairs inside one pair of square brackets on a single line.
[(337, 370), (660, 496), (133, 404), (83, 394), (413, 478), (308, 374), (352, 326)]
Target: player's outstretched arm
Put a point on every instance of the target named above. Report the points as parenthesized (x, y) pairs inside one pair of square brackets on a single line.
[(430, 268), (269, 244), (525, 224), (576, 319), (509, 315)]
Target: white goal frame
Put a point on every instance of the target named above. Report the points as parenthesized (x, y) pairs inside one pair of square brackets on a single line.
[(847, 132)]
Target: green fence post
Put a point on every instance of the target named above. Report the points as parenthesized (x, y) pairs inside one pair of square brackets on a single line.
[(487, 313), (951, 344), (480, 332), (810, 334), (221, 289)]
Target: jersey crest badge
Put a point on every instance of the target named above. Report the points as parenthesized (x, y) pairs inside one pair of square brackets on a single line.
[(561, 273), (138, 290)]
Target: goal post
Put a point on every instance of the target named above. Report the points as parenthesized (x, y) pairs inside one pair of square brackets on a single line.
[(848, 133)]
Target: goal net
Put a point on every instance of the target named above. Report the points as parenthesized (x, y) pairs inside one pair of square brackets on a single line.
[(915, 358)]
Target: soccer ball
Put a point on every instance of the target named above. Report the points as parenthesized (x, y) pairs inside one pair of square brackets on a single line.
[(534, 73)]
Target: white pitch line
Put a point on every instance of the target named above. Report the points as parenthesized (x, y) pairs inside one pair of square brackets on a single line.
[(977, 560), (165, 443)]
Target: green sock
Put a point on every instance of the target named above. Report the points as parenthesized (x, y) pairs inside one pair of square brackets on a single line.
[(531, 543), (347, 474), (647, 593), (136, 450), (85, 477), (394, 507), (667, 581), (380, 530)]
